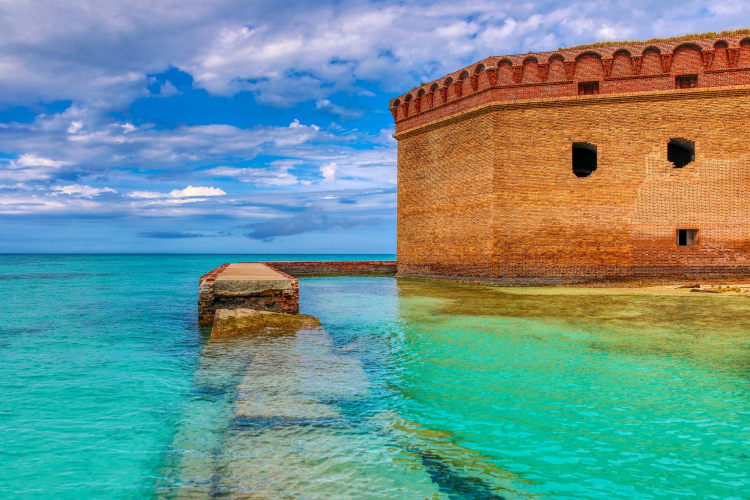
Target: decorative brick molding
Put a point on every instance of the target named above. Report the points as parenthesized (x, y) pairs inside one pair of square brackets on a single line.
[(717, 62)]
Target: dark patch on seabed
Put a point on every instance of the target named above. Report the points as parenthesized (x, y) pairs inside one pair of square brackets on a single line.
[(247, 423), (455, 485), (50, 276), (209, 393)]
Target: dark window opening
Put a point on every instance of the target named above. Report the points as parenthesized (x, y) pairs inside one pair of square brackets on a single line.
[(687, 237), (584, 159), (680, 152), (686, 81), (588, 88)]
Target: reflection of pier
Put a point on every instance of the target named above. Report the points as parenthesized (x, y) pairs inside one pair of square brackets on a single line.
[(292, 416), (270, 286), (294, 413)]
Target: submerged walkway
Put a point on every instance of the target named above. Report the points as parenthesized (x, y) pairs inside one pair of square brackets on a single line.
[(294, 416)]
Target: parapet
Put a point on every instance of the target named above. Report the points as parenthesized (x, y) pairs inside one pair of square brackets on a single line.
[(668, 65)]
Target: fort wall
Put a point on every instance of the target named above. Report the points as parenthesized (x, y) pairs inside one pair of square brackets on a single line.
[(487, 190), (716, 62)]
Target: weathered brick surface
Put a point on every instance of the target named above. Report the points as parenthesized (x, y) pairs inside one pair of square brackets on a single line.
[(335, 268), (488, 192), (206, 308), (718, 62), (282, 301)]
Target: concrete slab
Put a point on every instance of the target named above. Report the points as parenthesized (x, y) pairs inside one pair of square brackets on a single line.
[(250, 278)]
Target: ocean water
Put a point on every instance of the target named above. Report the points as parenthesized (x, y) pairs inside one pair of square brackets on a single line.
[(109, 389)]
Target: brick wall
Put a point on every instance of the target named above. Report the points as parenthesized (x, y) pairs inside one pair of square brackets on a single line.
[(489, 192), (336, 268), (717, 62)]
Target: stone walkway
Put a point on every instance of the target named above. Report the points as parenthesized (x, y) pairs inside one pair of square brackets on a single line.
[(250, 277)]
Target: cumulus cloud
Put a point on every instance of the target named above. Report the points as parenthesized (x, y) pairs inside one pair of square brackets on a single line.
[(107, 60), (291, 52), (30, 167), (85, 141)]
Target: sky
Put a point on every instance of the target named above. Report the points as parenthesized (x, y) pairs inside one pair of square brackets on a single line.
[(229, 126)]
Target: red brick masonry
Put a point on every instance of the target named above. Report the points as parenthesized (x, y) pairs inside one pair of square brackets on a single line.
[(336, 268), (488, 190), (286, 301), (717, 62)]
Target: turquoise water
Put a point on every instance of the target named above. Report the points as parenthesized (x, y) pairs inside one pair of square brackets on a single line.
[(108, 389)]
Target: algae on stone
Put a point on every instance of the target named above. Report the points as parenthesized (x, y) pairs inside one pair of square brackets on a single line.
[(234, 322)]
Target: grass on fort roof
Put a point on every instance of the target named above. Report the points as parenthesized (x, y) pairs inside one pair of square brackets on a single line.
[(692, 36)]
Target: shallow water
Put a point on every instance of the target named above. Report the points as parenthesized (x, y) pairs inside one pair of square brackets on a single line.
[(410, 390)]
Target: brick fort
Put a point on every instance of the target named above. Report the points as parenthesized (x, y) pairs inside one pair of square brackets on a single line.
[(608, 162)]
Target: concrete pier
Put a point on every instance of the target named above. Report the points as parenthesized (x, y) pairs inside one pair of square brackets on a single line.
[(248, 278), (246, 285), (267, 286)]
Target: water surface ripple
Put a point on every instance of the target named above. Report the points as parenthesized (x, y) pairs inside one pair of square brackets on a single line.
[(108, 389)]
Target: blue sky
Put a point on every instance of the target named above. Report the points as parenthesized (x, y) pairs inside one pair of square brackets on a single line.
[(257, 127)]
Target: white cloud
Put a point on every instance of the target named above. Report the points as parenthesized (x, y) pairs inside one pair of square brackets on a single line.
[(145, 194), (101, 53), (192, 191), (328, 171), (19, 186), (181, 194), (278, 176), (334, 109), (82, 190), (30, 167), (30, 160), (105, 143), (75, 126)]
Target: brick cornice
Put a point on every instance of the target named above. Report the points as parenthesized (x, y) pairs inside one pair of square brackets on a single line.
[(714, 61), (591, 100)]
